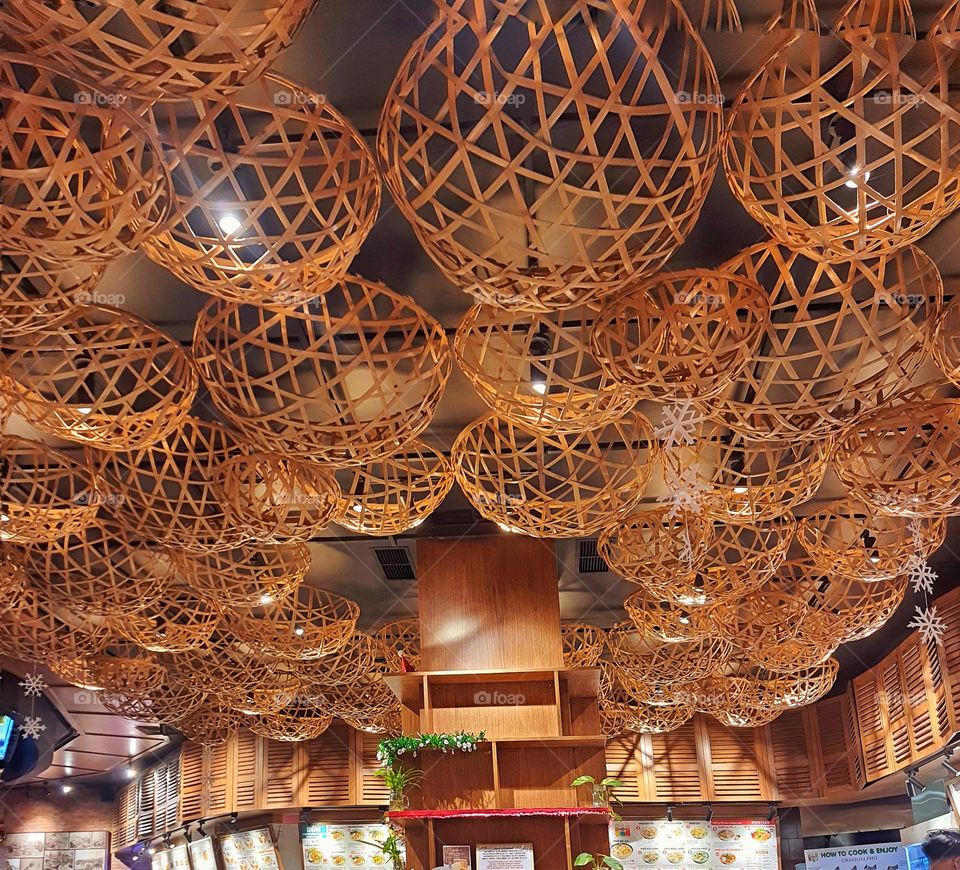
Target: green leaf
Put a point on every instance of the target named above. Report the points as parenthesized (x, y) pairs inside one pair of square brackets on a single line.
[(583, 858), (582, 780), (610, 782), (612, 863)]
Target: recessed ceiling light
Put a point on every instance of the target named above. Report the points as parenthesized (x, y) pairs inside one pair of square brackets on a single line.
[(266, 598), (229, 224)]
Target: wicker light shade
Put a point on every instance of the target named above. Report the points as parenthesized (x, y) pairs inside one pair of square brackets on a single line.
[(308, 624), (746, 480), (168, 490), (583, 644), (122, 668), (248, 575), (275, 191), (518, 198), (653, 545), (794, 655), (374, 722), (400, 639), (101, 377), (765, 618), (824, 166), (13, 580), (761, 690), (278, 498), (391, 495), (681, 335), (211, 724), (364, 697), (33, 291), (147, 50), (538, 370), (356, 658), (83, 181), (180, 621), (852, 540), (169, 703), (44, 494), (621, 712), (670, 622), (554, 486), (363, 379), (870, 18), (946, 342), (659, 663), (840, 337), (290, 725), (102, 570), (905, 459)]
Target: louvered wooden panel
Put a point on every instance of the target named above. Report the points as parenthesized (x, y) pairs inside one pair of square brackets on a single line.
[(893, 704), (372, 789), (125, 820), (159, 777), (191, 780), (283, 774), (919, 699), (671, 766), (931, 652), (871, 726), (836, 736), (246, 767), (858, 765), (732, 768), (328, 767), (622, 763), (145, 805), (217, 768), (948, 608), (172, 816), (792, 761)]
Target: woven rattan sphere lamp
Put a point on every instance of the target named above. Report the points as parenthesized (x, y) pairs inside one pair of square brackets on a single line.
[(274, 192), (120, 667), (554, 486), (517, 199), (101, 377), (83, 177), (538, 369), (147, 50), (660, 663), (180, 621), (364, 379), (582, 643), (400, 639)]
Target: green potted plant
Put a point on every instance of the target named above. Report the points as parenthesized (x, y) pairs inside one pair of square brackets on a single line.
[(598, 862), (392, 848), (600, 795), (399, 780)]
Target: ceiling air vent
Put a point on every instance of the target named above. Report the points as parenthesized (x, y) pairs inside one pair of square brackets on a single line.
[(589, 560), (395, 563)]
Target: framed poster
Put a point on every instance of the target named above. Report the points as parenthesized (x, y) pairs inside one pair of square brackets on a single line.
[(505, 856), (720, 845), (354, 846), (456, 857), (249, 850), (203, 856), (883, 856), (56, 850)]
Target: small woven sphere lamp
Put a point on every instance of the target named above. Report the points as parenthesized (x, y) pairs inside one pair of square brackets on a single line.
[(517, 198), (249, 575), (554, 486), (670, 622), (681, 335), (211, 724), (659, 663), (653, 544), (308, 624), (34, 291), (841, 337), (850, 539), (290, 725), (363, 379), (393, 494), (760, 689), (365, 696), (44, 494), (376, 722), (583, 644), (83, 177), (399, 640), (180, 621), (145, 50), (167, 488), (905, 459), (538, 369), (274, 192), (278, 498), (101, 377), (102, 570), (169, 703), (765, 618), (621, 712), (355, 659), (750, 480), (946, 341), (122, 668), (825, 167)]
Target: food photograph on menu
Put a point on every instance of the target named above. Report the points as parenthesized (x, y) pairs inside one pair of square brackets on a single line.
[(748, 845), (249, 850), (358, 845)]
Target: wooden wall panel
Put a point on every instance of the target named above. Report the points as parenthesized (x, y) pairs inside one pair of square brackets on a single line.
[(218, 767), (841, 761), (191, 781), (372, 789), (125, 818), (870, 726), (327, 759), (733, 761), (283, 774), (624, 762), (948, 608), (671, 768), (794, 758), (247, 771)]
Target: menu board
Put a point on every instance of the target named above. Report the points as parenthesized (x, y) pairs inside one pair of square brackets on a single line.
[(326, 846), (883, 856), (249, 850), (202, 854), (737, 845), (171, 859), (62, 850)]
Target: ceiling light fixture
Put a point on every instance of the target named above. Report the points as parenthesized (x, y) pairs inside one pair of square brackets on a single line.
[(669, 812), (200, 829), (773, 812), (186, 833), (709, 816), (66, 788), (229, 224)]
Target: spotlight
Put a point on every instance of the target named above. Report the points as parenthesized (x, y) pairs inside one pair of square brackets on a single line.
[(854, 177), (709, 817), (129, 771), (539, 350), (200, 829), (298, 631), (513, 530), (186, 833), (914, 786), (669, 813), (66, 788), (773, 812), (229, 224), (266, 598), (167, 842), (151, 849), (234, 818), (947, 765)]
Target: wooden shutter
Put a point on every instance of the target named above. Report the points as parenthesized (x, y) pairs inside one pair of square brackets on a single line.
[(837, 738), (327, 761), (870, 726), (925, 712), (282, 774), (623, 763), (125, 820), (145, 805), (793, 762), (160, 794), (191, 780), (948, 608), (217, 766), (246, 768), (893, 704), (372, 789), (730, 759), (671, 768)]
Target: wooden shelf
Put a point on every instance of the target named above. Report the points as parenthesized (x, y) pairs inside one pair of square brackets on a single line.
[(593, 814), (578, 681), (566, 742)]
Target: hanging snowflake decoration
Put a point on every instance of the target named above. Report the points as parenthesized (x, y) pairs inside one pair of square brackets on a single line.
[(33, 685), (32, 726), (685, 492), (929, 624), (678, 425), (921, 575), (916, 533)]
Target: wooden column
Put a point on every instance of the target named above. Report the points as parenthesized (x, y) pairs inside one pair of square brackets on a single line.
[(488, 603)]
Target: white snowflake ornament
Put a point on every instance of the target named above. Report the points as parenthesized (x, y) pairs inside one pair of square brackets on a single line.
[(921, 575), (33, 685), (685, 492), (916, 533), (678, 425), (929, 624), (32, 726)]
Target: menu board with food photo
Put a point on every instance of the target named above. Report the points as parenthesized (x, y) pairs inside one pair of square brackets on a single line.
[(736, 845), (328, 846), (202, 854), (249, 850), (55, 850)]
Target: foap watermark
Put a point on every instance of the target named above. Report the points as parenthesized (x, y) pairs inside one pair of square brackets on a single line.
[(103, 499), (93, 297), (290, 97), (897, 98), (903, 300), (699, 98), (97, 98), (499, 98), (697, 297), (85, 698), (498, 699)]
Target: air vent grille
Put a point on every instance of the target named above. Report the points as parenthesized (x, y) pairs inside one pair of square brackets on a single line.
[(395, 563), (589, 560)]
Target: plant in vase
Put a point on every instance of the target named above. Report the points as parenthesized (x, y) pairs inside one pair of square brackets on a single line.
[(601, 794), (392, 848), (598, 862), (398, 780)]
